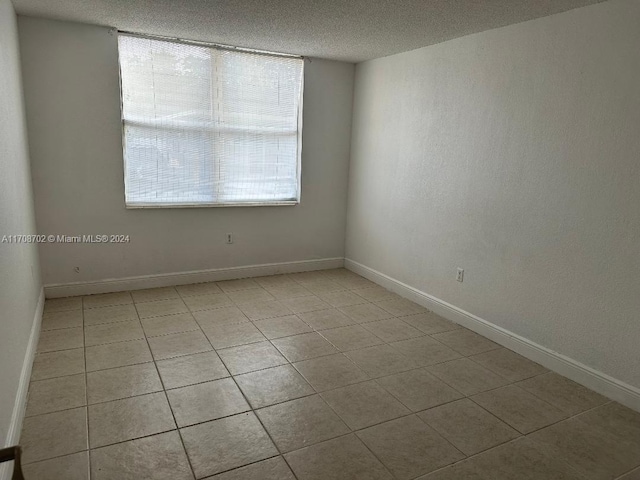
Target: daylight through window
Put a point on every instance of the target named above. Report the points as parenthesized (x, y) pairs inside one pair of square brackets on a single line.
[(209, 126)]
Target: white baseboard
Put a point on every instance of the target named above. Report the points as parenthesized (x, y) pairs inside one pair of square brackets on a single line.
[(184, 278), (602, 383), (15, 427)]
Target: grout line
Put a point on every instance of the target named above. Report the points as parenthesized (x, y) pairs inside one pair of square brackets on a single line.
[(633, 470), (289, 362), (60, 456), (369, 379), (253, 410), (166, 397), (279, 455)]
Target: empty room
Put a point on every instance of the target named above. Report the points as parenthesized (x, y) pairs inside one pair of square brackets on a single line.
[(322, 240)]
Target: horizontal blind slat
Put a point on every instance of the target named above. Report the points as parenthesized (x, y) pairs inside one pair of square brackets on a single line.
[(208, 126)]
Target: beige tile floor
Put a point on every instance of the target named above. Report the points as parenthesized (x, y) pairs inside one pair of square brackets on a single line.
[(320, 375)]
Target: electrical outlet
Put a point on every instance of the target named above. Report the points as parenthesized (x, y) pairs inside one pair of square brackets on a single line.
[(229, 237), (460, 275)]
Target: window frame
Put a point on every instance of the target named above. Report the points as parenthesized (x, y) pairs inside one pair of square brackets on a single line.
[(276, 203)]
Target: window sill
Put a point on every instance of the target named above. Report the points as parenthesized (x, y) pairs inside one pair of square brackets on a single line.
[(140, 206)]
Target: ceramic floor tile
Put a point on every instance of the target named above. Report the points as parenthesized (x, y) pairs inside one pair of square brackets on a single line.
[(300, 423), (178, 344), (418, 390), (153, 294), (66, 319), (194, 289), (122, 382), (324, 287), (57, 364), (392, 330), (342, 298), (182, 322), (239, 284), (232, 335), (520, 409), (352, 337), (243, 298), (594, 454), (421, 369), (113, 314), (354, 282), (112, 333), (509, 364), (633, 475), (254, 295), (425, 351), (117, 355), (273, 469), (465, 470), (522, 459), (231, 442), (46, 396), (365, 312), (282, 326), (340, 458), (190, 369), (324, 319), (106, 299), (208, 302), (65, 339), (400, 307), (206, 401), (305, 304), (617, 420), (69, 467), (62, 304), (306, 278), (220, 316), (338, 274), (430, 323), (381, 360), (159, 308), (130, 418), (466, 342), (161, 454), (408, 447), (466, 376), (375, 293), (274, 281), (262, 310), (304, 346), (248, 358), (331, 371), (282, 292), (562, 393), (273, 385), (468, 427), (364, 404), (54, 434)]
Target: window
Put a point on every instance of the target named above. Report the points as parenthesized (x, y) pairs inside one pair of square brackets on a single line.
[(209, 126)]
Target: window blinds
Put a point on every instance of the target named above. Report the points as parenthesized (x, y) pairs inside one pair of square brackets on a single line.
[(209, 126)]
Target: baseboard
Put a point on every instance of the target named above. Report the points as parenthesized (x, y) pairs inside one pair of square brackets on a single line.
[(15, 427), (602, 383), (184, 278)]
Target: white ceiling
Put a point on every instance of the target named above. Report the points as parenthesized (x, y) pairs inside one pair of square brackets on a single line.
[(349, 30)]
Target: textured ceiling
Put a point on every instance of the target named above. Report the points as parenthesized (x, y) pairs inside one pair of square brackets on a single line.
[(349, 30)]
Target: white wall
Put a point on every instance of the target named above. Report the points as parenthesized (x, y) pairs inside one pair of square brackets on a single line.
[(19, 269), (73, 109), (514, 154)]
